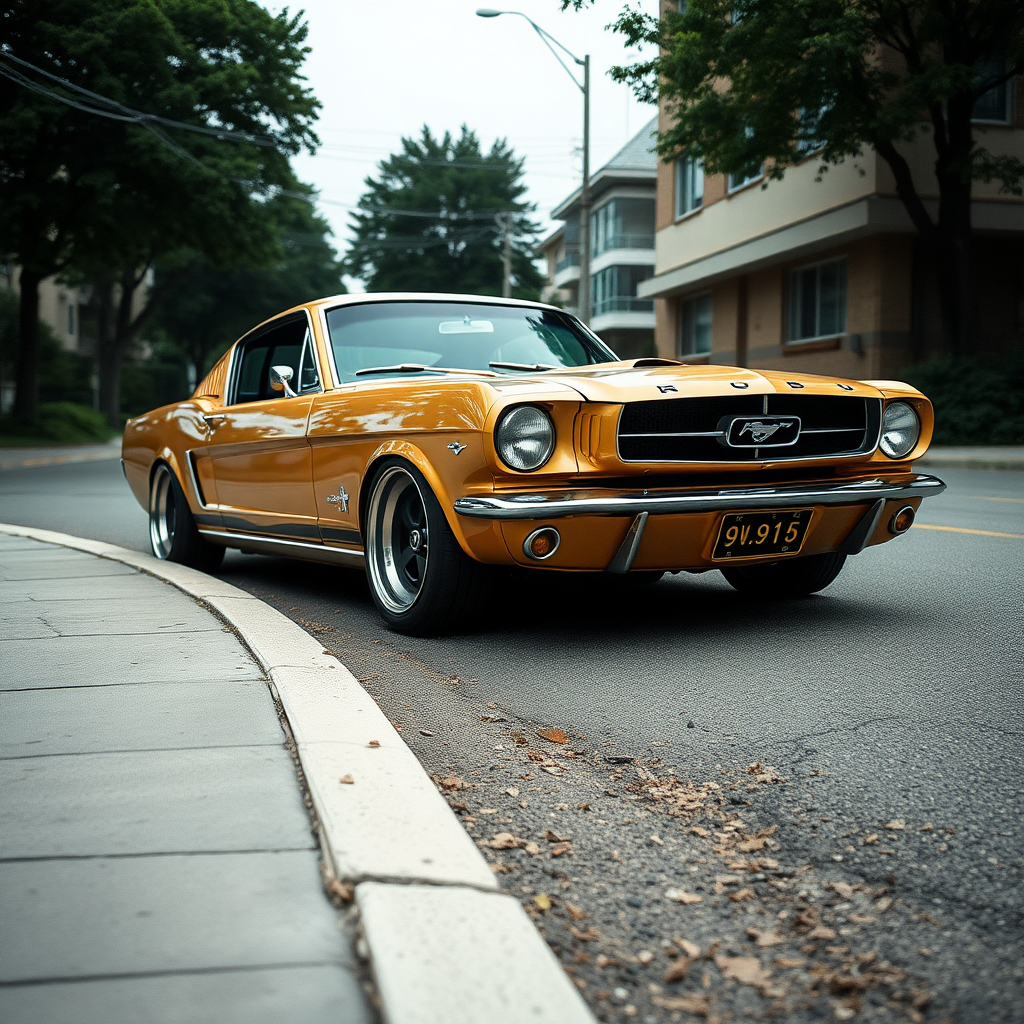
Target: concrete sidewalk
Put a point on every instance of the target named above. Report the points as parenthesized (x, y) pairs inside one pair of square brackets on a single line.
[(156, 861), (993, 457)]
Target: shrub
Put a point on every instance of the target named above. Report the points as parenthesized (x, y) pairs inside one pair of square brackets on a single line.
[(975, 402), (59, 423)]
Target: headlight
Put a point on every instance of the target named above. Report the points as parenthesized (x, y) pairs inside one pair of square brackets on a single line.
[(525, 438), (900, 430)]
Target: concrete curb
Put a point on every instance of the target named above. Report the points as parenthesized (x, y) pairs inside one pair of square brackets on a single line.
[(444, 944), (970, 462)]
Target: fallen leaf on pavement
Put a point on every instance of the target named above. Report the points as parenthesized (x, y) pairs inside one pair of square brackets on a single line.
[(373, 743), (751, 845), (698, 831), (896, 825), (868, 840), (553, 735), (543, 901), (697, 1005), (843, 889), (765, 938), (678, 970), (575, 912), (746, 970), (343, 891), (789, 961), (533, 849), (689, 948), (584, 806), (504, 841), (552, 837), (680, 896), (346, 780), (821, 932), (454, 783), (862, 919), (426, 732), (742, 895), (511, 791), (559, 848), (602, 960), (590, 935), (645, 956), (883, 904)]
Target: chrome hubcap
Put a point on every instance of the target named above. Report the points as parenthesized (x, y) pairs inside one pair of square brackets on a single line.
[(162, 514), (398, 550)]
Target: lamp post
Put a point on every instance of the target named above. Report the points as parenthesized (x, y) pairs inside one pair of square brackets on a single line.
[(584, 87)]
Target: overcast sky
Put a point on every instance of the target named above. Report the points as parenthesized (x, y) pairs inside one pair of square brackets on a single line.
[(384, 68)]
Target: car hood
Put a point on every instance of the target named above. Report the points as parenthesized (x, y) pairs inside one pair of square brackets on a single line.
[(641, 381)]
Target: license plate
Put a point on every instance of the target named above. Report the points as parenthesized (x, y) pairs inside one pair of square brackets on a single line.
[(752, 534)]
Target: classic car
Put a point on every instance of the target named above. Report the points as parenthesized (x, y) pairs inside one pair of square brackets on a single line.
[(429, 437)]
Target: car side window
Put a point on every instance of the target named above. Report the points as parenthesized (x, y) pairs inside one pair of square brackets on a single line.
[(290, 344)]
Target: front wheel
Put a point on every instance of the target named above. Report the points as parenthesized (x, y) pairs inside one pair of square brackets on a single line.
[(173, 534), (794, 577), (422, 582)]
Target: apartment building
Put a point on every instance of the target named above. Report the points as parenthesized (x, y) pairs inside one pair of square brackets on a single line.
[(622, 223), (828, 276)]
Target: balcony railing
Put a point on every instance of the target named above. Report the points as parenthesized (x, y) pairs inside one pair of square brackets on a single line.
[(570, 259), (623, 241), (623, 304)]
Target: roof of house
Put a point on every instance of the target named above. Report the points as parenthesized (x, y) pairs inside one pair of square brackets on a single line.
[(636, 162)]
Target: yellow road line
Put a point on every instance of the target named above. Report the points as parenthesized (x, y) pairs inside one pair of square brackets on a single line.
[(961, 529), (986, 498)]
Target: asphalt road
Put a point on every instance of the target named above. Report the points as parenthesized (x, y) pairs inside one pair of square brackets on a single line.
[(894, 698)]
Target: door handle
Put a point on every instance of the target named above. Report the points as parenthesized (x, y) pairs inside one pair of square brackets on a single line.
[(213, 420)]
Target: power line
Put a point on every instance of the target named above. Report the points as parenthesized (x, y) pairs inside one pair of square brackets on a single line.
[(118, 111)]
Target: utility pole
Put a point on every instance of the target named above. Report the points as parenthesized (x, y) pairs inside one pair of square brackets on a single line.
[(505, 219), (584, 291)]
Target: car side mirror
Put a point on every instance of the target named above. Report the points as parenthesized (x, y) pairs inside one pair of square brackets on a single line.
[(279, 377)]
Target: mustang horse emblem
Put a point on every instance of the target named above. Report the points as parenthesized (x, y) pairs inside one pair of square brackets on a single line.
[(762, 431)]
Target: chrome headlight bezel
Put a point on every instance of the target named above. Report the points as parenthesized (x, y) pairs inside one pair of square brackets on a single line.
[(901, 430), (524, 438)]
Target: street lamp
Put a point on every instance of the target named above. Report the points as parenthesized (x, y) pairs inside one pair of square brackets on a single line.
[(548, 40)]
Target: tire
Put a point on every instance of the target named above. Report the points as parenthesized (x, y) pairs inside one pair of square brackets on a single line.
[(796, 577), (422, 582), (173, 535)]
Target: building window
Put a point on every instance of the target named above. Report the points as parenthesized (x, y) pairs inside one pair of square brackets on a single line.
[(71, 319), (695, 326), (738, 181), (817, 301), (613, 290), (689, 184), (622, 224), (993, 105)]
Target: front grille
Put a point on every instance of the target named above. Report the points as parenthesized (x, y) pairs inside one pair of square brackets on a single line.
[(688, 429)]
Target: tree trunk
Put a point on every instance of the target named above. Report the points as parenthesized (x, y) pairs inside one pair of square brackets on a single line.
[(26, 397), (108, 362)]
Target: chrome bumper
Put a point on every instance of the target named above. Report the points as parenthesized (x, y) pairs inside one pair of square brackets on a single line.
[(595, 502)]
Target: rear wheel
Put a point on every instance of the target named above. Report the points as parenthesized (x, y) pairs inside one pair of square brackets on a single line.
[(173, 534), (794, 577), (422, 582)]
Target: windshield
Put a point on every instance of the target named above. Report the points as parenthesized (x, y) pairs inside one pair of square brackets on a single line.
[(408, 338)]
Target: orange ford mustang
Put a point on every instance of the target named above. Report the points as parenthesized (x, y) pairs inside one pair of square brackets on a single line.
[(429, 436)]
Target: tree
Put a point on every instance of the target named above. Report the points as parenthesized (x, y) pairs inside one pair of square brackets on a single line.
[(98, 176), (752, 81), (435, 220), (207, 308)]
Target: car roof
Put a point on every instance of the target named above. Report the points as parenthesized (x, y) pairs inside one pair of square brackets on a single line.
[(363, 297)]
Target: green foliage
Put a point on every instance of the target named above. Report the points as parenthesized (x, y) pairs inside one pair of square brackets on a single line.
[(974, 403), (59, 423), (451, 241), (806, 76), (206, 308), (81, 190)]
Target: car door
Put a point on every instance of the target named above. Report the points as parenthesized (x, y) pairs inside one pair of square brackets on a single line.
[(261, 459)]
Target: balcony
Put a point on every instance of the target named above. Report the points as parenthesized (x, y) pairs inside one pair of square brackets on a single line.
[(567, 269), (624, 241), (623, 304), (570, 259)]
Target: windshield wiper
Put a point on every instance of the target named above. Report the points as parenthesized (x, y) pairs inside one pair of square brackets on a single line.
[(522, 366), (399, 368), (419, 368)]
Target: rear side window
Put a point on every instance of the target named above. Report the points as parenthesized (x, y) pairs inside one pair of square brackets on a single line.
[(289, 344)]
